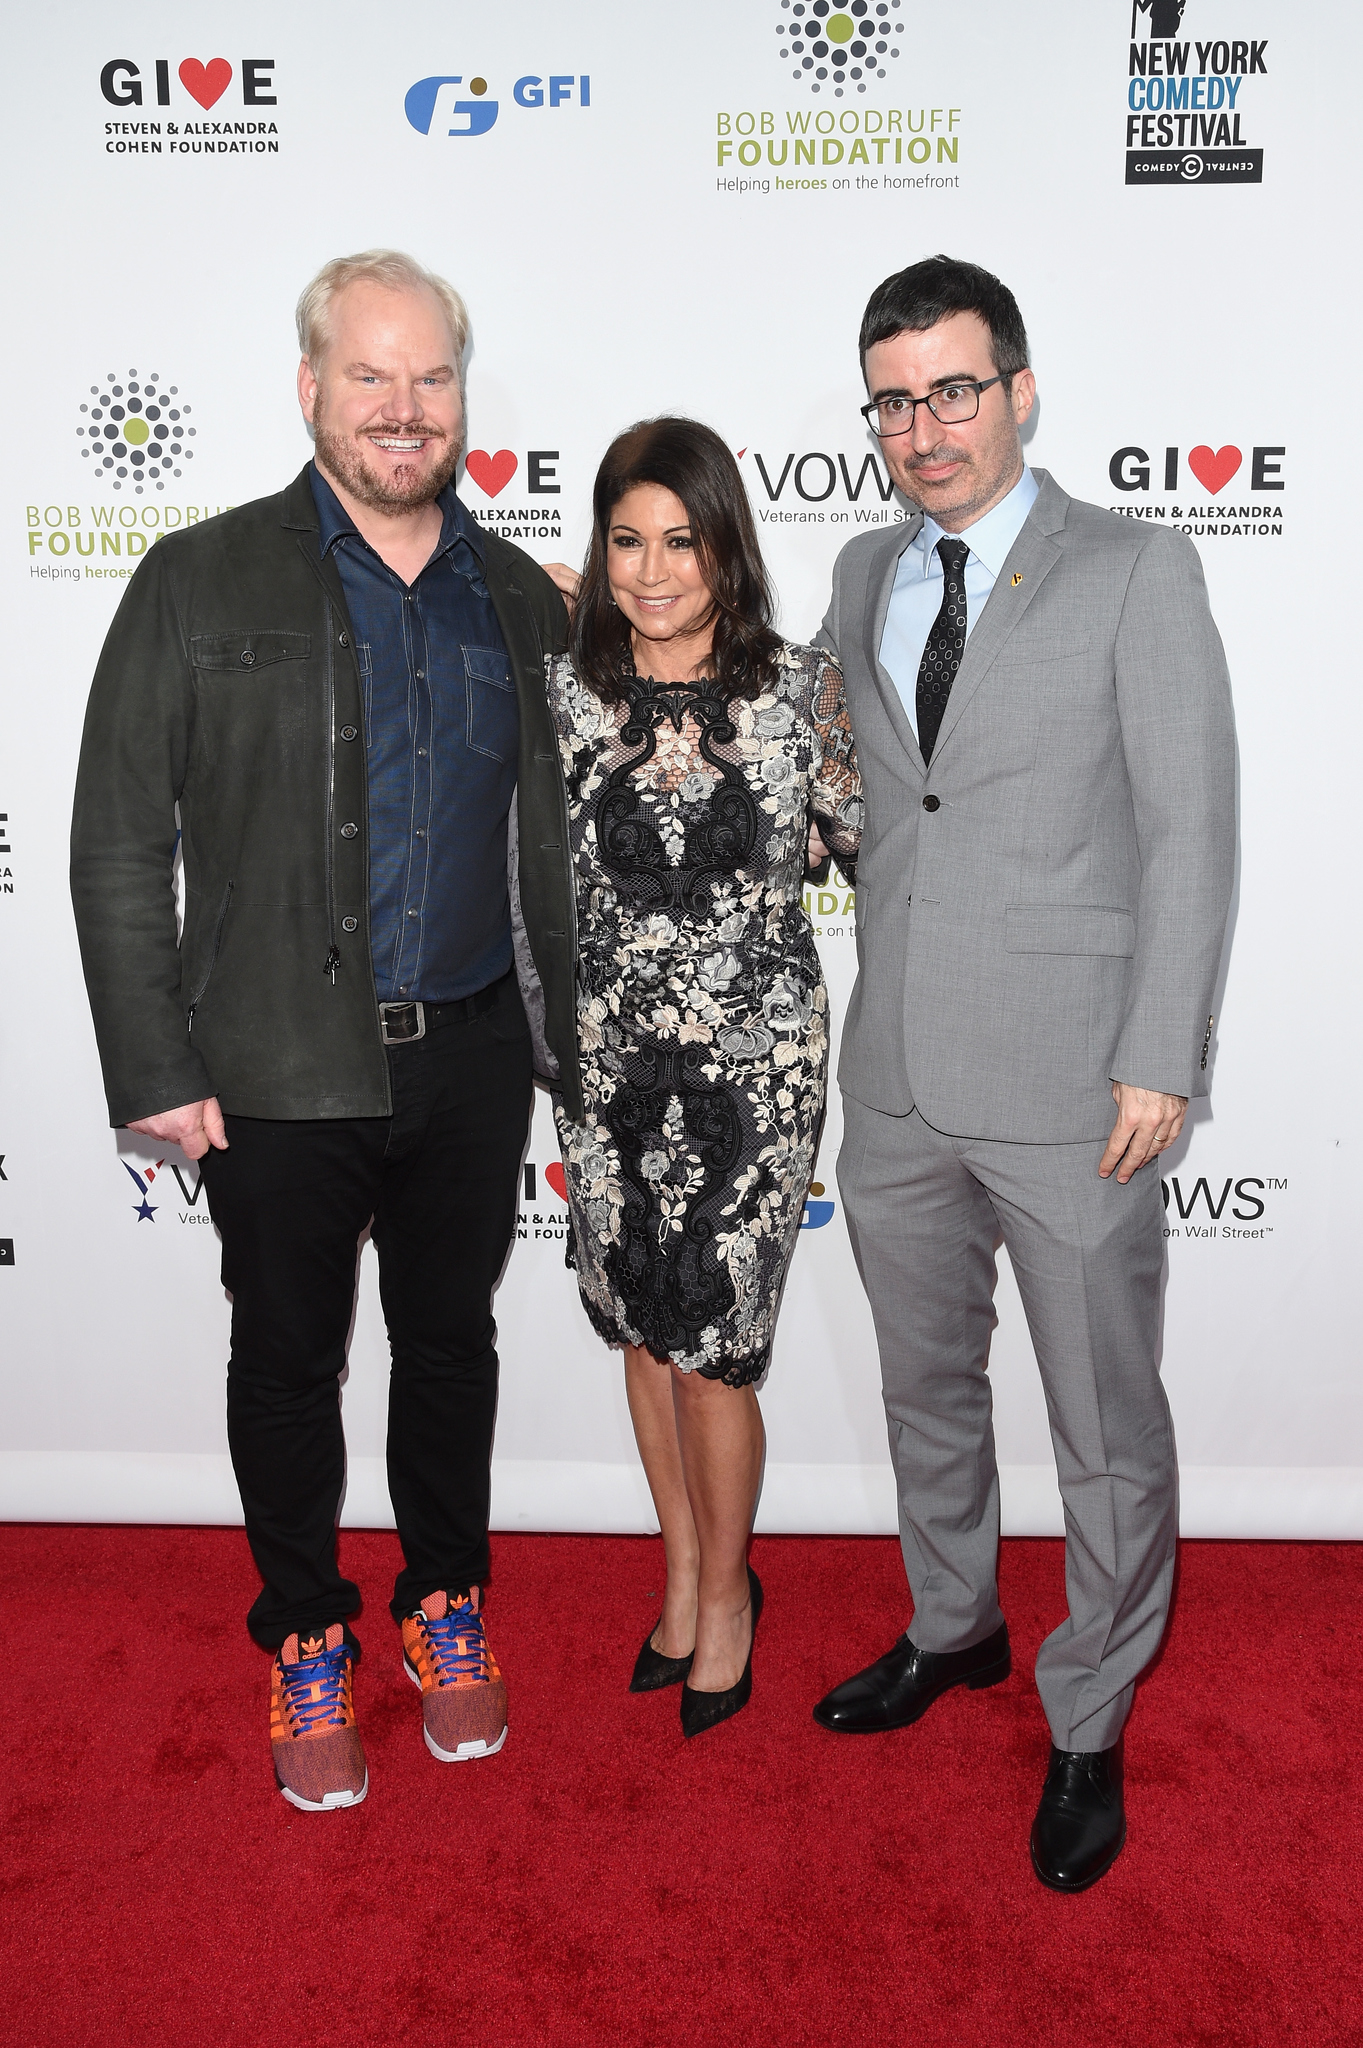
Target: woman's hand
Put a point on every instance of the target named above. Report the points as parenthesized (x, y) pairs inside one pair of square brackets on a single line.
[(817, 850), (565, 580)]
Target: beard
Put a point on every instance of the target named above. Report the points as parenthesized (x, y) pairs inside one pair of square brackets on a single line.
[(404, 489), (976, 484)]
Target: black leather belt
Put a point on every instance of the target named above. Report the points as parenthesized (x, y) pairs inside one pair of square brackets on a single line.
[(404, 1023)]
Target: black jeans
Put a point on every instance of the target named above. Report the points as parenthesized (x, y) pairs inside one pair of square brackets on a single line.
[(439, 1179)]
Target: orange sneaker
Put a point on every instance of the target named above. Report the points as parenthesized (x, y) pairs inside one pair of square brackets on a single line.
[(318, 1756), (463, 1694)]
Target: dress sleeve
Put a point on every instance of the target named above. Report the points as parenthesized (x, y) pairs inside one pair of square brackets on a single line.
[(835, 799)]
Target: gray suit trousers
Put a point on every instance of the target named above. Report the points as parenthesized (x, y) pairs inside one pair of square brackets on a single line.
[(926, 1213)]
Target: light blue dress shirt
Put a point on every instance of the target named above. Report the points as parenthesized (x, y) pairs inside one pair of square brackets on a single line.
[(917, 595)]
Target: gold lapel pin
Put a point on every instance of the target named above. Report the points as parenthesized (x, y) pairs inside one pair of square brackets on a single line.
[(1016, 580)]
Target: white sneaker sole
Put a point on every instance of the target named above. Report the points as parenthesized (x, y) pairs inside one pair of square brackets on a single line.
[(331, 1804), (467, 1752)]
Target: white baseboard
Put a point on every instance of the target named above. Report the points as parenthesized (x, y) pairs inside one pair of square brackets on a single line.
[(1304, 1502)]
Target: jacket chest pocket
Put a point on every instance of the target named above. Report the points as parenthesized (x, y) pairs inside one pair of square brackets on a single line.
[(247, 654), (493, 727)]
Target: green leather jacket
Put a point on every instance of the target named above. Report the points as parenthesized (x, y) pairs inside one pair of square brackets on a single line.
[(228, 685)]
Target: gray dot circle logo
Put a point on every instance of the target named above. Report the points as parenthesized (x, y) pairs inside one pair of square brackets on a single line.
[(135, 431), (838, 45)]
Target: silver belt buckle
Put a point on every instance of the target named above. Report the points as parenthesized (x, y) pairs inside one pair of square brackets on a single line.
[(402, 1023)]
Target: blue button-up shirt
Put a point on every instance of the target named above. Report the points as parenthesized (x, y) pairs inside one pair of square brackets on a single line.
[(917, 595), (441, 731)]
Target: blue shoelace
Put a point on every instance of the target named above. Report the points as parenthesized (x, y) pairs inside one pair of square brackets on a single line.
[(447, 1641), (328, 1673)]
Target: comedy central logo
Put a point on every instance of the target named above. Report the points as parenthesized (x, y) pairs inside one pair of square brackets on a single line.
[(838, 42), (447, 105), (135, 430)]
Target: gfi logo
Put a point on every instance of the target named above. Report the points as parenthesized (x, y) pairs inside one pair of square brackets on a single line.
[(817, 1213), (435, 106)]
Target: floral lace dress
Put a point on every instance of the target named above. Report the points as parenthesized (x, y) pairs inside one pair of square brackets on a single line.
[(702, 1012)]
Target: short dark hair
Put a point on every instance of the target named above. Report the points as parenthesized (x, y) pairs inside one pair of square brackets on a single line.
[(692, 462), (917, 298)]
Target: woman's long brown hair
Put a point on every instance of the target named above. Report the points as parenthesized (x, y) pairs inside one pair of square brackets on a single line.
[(691, 461)]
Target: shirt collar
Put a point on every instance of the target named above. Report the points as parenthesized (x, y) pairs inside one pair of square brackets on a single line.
[(990, 539), (334, 522)]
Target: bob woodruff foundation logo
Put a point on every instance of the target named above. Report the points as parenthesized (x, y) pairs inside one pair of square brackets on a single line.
[(837, 44), (135, 431)]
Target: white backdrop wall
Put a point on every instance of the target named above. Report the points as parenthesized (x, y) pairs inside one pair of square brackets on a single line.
[(649, 209)]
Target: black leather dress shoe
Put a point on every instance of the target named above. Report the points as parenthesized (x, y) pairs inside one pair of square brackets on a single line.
[(1080, 1825), (903, 1684)]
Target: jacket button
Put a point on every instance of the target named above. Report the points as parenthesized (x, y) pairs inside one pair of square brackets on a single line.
[(350, 924), (350, 732), (247, 658), (932, 803), (349, 831), (345, 639)]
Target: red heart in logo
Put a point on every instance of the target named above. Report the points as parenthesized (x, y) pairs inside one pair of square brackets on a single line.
[(1213, 471), (492, 473), (554, 1175), (206, 83)]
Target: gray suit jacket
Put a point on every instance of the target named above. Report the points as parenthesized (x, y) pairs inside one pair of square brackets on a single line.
[(1054, 920)]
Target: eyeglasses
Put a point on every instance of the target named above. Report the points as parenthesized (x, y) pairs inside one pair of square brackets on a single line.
[(950, 403)]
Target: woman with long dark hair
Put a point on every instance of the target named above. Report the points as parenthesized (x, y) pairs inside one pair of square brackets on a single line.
[(706, 759)]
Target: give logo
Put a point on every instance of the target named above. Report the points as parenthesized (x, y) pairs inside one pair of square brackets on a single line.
[(120, 81), (206, 83), (1214, 468), (492, 472), (1130, 467)]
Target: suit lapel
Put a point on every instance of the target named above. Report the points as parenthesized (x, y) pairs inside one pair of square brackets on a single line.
[(880, 587), (1030, 560)]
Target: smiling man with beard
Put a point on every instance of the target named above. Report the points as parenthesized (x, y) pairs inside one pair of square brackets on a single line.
[(342, 690)]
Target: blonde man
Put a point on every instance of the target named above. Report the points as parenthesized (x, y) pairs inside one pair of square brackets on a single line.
[(342, 689)]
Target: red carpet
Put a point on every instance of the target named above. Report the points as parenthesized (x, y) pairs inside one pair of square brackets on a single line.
[(600, 1882)]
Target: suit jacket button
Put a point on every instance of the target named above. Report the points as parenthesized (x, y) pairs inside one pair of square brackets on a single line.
[(932, 803), (350, 732), (349, 831), (350, 924), (345, 639)]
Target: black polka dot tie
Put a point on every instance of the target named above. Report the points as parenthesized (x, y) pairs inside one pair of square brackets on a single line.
[(942, 655)]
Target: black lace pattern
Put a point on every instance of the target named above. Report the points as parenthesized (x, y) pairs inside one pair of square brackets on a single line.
[(702, 1012)]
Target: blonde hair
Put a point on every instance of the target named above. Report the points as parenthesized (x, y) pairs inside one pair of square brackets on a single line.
[(387, 267)]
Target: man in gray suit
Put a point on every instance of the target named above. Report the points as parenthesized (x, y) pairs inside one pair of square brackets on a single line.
[(1043, 725)]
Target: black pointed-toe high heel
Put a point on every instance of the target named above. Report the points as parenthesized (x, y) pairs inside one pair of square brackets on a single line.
[(653, 1671), (702, 1710)]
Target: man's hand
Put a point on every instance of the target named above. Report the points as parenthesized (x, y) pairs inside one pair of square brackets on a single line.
[(565, 580), (194, 1127), (1147, 1123)]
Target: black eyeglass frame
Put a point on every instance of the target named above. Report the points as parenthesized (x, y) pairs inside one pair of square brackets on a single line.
[(957, 384)]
